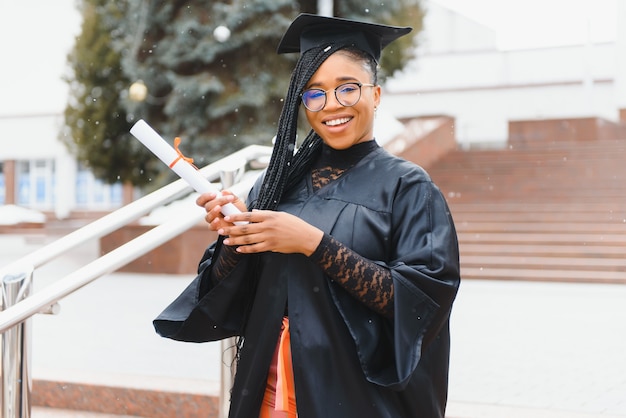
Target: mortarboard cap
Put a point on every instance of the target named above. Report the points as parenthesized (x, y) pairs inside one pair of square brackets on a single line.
[(308, 31)]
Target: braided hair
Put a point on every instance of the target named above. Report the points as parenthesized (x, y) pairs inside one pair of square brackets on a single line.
[(286, 168)]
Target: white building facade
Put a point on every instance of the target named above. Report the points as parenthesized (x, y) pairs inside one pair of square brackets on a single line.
[(459, 72), (42, 173)]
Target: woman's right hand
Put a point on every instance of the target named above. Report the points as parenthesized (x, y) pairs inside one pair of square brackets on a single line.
[(212, 204)]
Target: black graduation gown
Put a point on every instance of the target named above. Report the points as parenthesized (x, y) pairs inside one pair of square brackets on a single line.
[(349, 362)]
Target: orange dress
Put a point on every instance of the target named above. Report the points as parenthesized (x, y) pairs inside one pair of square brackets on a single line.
[(279, 400)]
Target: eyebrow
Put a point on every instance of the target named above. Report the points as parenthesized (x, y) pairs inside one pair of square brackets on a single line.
[(340, 80)]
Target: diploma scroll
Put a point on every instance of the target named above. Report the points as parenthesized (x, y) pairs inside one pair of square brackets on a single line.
[(173, 159)]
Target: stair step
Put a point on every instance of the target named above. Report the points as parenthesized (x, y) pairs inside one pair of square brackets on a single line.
[(543, 226), (596, 251), (539, 238), (611, 206), (43, 412), (565, 276), (552, 217), (578, 263)]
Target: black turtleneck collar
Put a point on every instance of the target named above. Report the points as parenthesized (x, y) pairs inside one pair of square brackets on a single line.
[(345, 158)]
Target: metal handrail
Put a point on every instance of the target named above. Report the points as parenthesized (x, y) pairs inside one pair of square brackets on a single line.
[(44, 299), (107, 263)]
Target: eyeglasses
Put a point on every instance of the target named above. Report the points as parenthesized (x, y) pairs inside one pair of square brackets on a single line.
[(347, 94)]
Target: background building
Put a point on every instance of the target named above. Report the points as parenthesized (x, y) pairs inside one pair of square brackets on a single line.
[(460, 72)]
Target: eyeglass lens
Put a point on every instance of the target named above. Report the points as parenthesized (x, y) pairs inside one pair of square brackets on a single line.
[(347, 94)]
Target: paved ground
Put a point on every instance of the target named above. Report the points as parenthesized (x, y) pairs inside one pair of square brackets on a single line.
[(548, 349), (541, 350)]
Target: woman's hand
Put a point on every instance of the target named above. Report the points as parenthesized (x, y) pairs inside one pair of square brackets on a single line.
[(213, 202), (268, 230)]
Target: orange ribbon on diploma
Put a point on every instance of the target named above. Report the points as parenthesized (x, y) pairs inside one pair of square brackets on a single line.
[(177, 142), (175, 160)]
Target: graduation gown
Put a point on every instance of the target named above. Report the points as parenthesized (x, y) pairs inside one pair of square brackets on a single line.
[(348, 361)]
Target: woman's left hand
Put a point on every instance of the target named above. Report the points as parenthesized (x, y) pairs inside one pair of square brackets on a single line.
[(268, 230)]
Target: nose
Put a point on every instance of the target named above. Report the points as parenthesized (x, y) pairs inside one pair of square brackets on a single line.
[(331, 101)]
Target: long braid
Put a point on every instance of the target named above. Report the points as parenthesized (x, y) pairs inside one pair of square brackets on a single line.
[(284, 165), (285, 168)]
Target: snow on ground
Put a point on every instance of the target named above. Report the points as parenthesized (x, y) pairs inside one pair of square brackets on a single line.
[(14, 215)]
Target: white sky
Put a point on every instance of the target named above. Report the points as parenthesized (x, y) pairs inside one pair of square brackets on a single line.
[(36, 35), (540, 23)]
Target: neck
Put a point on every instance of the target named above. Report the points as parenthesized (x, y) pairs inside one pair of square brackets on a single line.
[(344, 158)]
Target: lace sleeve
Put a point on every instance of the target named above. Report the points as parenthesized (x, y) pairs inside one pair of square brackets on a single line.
[(366, 281), (226, 260)]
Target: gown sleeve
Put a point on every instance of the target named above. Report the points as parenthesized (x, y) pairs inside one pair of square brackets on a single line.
[(208, 309), (215, 304), (424, 265)]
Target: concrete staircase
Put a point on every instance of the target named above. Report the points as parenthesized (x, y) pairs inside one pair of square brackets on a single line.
[(544, 211)]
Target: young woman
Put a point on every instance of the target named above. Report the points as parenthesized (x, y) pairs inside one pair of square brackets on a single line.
[(341, 279)]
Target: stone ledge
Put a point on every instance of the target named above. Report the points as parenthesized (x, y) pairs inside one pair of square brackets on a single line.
[(123, 400), (22, 228), (425, 140)]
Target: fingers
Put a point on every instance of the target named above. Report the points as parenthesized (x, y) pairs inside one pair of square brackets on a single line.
[(214, 219), (204, 198), (210, 199), (249, 243), (236, 230), (260, 231), (251, 232), (212, 203), (245, 226)]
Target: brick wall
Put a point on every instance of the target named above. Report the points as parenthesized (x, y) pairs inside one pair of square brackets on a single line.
[(567, 129), (179, 255)]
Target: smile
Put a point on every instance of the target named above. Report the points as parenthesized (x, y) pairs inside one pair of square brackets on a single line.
[(336, 122)]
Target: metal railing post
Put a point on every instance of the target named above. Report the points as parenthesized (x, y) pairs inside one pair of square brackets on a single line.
[(16, 379)]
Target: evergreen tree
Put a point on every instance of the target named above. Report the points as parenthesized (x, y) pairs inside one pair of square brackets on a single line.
[(96, 125), (210, 69)]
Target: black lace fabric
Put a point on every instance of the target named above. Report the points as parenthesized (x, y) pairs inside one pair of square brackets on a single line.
[(225, 263), (365, 280)]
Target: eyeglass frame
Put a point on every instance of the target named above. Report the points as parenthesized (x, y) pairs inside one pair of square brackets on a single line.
[(357, 83)]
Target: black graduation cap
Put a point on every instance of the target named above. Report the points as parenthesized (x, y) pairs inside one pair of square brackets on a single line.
[(308, 31)]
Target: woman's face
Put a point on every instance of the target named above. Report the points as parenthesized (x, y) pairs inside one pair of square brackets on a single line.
[(339, 126)]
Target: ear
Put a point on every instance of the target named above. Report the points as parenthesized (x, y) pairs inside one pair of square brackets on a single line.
[(377, 92)]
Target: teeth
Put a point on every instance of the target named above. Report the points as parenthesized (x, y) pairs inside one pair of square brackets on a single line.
[(336, 122)]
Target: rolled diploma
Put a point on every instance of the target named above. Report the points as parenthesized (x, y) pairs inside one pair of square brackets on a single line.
[(166, 153)]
